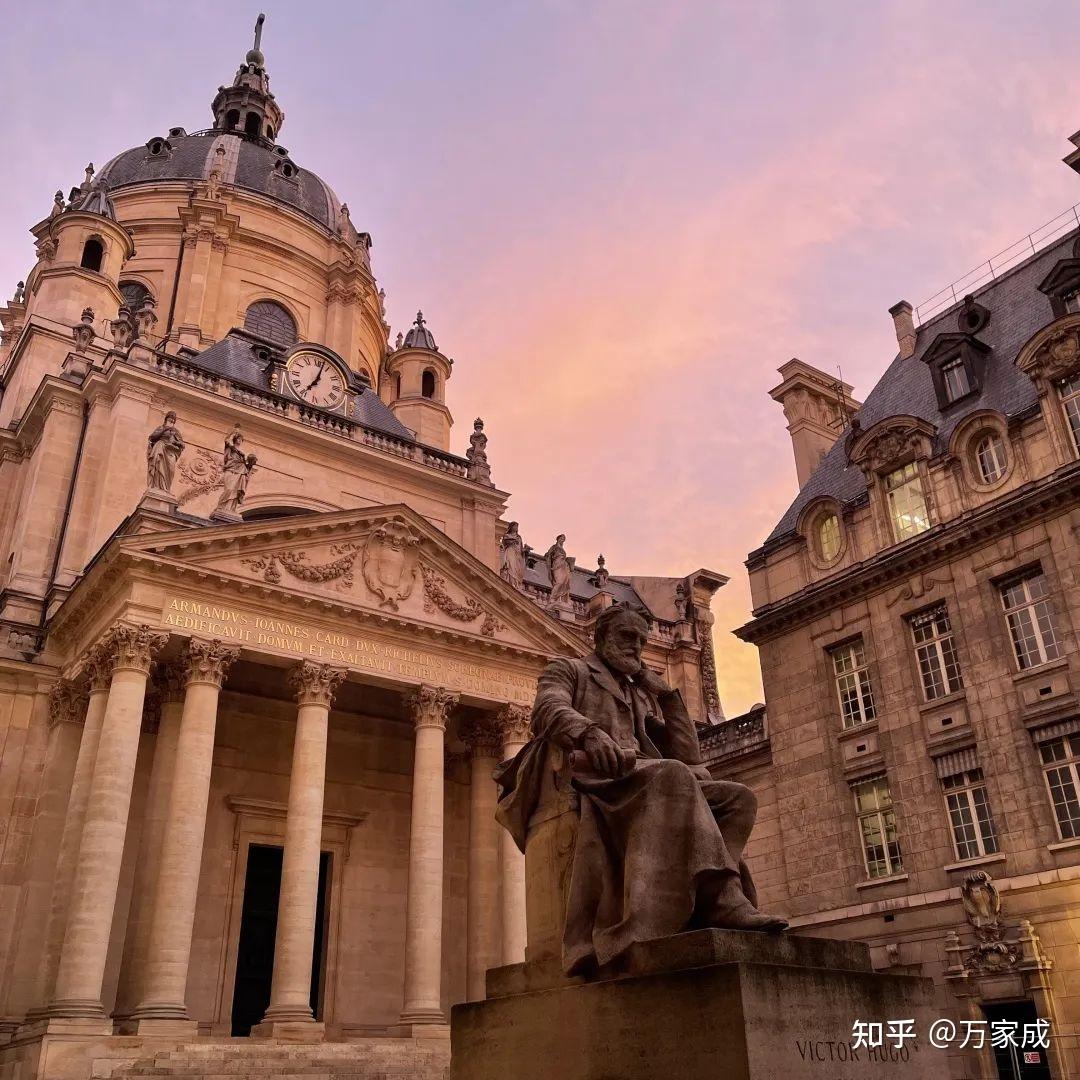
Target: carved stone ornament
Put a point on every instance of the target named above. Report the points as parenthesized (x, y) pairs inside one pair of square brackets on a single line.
[(202, 473), (146, 317), (98, 667), (515, 722), (134, 647), (889, 450), (67, 703), (436, 598), (316, 684), (479, 469), (430, 705), (170, 679), (83, 332), (982, 902), (46, 249), (124, 328), (483, 736), (390, 559), (1057, 357), (208, 661), (708, 672), (340, 569)]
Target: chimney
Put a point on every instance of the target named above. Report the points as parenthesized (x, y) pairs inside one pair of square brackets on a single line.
[(905, 328)]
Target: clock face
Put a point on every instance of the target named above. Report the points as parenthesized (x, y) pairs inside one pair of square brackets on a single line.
[(316, 380)]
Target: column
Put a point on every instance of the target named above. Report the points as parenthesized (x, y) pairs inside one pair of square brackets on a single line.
[(98, 670), (514, 724), (164, 985), (429, 706), (484, 943), (290, 990), (169, 684), (97, 867)]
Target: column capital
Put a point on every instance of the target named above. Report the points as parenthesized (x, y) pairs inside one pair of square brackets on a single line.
[(483, 736), (514, 722), (133, 647), (207, 661), (430, 706), (316, 684), (169, 678), (67, 703), (98, 667)]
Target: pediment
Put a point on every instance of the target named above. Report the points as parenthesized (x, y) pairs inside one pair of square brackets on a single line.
[(385, 562)]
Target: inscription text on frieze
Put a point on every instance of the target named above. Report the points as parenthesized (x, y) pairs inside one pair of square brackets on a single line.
[(363, 652)]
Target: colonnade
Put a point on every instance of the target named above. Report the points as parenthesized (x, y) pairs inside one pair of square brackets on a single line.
[(157, 947)]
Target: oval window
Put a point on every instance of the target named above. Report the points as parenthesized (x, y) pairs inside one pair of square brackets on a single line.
[(828, 537), (991, 457)]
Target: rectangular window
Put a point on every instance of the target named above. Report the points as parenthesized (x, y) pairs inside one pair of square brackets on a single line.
[(1060, 758), (907, 503), (935, 650), (853, 684), (877, 828), (1069, 391), (954, 376), (1031, 620), (1071, 301), (972, 824)]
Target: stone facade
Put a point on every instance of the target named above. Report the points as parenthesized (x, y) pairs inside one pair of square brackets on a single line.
[(916, 612), (246, 749)]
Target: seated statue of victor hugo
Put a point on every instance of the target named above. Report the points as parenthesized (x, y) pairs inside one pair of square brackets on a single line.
[(659, 843)]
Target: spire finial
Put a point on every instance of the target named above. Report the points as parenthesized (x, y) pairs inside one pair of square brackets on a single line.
[(419, 319), (255, 56)]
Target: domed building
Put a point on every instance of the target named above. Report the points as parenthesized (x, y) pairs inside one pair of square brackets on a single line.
[(264, 634)]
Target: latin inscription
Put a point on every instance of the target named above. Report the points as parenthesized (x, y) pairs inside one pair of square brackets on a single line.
[(364, 653)]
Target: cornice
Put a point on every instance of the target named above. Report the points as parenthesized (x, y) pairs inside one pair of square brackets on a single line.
[(941, 543)]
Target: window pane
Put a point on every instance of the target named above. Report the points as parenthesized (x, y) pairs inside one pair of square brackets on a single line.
[(1031, 620), (829, 537), (907, 504), (271, 321), (1070, 402), (955, 377), (990, 455)]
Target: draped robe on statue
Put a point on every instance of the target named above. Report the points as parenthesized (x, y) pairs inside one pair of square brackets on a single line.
[(651, 845)]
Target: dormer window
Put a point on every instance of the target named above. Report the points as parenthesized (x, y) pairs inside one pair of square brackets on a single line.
[(956, 363), (907, 502), (1070, 301), (954, 378)]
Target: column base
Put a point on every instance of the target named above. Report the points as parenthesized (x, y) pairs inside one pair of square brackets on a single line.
[(159, 1025), (306, 1031), (422, 1017), (75, 1009), (39, 1026)]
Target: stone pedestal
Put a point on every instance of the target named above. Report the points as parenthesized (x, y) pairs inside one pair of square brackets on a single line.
[(700, 1005), (164, 502), (226, 517)]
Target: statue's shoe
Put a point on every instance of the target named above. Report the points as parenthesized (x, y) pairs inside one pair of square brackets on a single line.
[(745, 916)]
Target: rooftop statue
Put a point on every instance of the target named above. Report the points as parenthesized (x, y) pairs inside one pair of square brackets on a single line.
[(658, 847), (163, 449)]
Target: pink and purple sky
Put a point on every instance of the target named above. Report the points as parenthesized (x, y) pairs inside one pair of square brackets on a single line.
[(619, 218)]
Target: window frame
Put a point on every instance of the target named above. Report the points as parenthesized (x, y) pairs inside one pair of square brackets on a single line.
[(260, 332), (858, 677), (955, 365), (884, 815), (963, 790), (940, 647), (1040, 617), (913, 481), (1070, 408), (1068, 763), (999, 452)]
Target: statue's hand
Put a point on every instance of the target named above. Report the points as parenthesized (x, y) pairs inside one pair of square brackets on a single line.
[(602, 751)]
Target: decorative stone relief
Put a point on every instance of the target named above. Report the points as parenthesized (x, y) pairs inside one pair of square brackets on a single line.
[(430, 705), (483, 736), (1056, 358), (133, 647), (124, 328), (67, 703), (340, 568), (83, 332), (889, 448), (202, 473), (316, 684), (169, 679), (708, 671), (145, 317), (436, 598), (389, 561), (208, 661), (514, 722), (98, 666)]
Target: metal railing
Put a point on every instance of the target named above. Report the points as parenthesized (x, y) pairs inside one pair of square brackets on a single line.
[(1024, 248)]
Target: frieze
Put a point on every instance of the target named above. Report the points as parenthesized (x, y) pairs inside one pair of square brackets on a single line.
[(296, 563), (436, 598)]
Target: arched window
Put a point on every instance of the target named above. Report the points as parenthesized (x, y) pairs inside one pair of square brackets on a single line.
[(271, 321), (92, 253), (134, 293), (251, 124), (397, 386), (269, 131), (991, 458), (232, 118), (427, 383), (828, 536)]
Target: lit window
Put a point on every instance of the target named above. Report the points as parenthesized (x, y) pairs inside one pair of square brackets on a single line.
[(1069, 390), (1060, 758), (970, 819), (877, 828), (954, 376), (829, 537), (991, 458), (907, 504), (853, 684), (1031, 620), (935, 650), (271, 321)]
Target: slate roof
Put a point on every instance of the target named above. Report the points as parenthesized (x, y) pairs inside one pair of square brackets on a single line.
[(235, 357), (1018, 311), (255, 171)]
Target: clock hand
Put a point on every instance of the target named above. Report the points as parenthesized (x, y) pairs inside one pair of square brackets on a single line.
[(311, 385)]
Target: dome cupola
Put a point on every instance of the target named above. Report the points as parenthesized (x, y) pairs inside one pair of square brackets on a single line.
[(419, 336), (247, 107)]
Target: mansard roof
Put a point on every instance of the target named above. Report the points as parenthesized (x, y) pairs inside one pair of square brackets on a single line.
[(1018, 310)]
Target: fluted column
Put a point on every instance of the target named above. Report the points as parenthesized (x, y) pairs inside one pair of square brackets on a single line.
[(101, 849), (429, 706), (169, 684), (514, 724), (484, 741), (290, 991), (164, 985)]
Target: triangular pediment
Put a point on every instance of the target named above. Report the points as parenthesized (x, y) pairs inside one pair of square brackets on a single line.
[(386, 562)]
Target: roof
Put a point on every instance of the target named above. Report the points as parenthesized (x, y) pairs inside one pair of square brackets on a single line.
[(581, 582), (249, 163), (1018, 311), (236, 357)]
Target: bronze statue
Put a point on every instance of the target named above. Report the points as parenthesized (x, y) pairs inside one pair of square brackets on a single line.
[(163, 449), (659, 843)]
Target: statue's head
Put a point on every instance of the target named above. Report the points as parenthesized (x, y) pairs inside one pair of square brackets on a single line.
[(561, 538), (512, 528), (170, 418), (621, 632)]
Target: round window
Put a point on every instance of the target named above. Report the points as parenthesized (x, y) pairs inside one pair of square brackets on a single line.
[(828, 537), (991, 457)]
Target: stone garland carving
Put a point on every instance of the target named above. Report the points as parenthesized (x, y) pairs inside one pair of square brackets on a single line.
[(203, 473), (208, 661), (341, 568), (437, 598), (67, 703), (389, 562), (316, 684), (430, 705), (917, 588)]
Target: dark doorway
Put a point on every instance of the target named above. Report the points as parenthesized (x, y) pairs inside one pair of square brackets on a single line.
[(258, 924), (1019, 1062)]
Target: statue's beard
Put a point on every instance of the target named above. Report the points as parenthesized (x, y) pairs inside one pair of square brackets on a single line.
[(627, 663)]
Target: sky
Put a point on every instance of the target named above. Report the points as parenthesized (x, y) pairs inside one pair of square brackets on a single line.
[(619, 218)]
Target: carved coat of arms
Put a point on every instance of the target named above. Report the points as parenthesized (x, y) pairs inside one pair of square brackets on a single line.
[(390, 562)]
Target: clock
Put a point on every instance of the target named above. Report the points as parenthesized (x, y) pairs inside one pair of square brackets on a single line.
[(315, 379)]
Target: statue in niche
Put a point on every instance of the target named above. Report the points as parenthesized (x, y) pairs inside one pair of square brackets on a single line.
[(512, 556), (235, 473), (559, 568), (659, 843), (163, 449)]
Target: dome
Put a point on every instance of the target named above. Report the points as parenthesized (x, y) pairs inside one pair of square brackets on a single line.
[(419, 336), (252, 164)]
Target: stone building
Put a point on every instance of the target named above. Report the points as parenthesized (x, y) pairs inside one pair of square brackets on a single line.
[(263, 634), (916, 610)]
